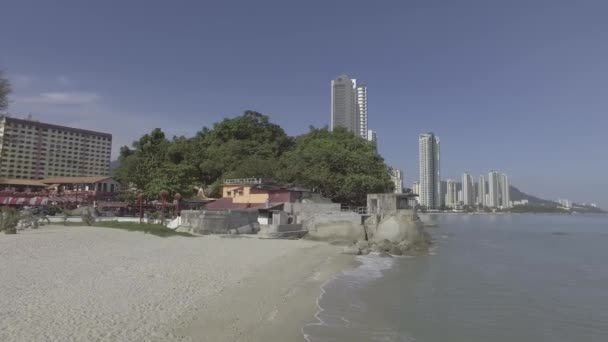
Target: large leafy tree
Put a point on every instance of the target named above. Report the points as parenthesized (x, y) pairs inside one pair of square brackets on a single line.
[(338, 165), (5, 89)]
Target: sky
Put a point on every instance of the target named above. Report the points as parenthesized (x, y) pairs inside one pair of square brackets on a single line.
[(520, 86)]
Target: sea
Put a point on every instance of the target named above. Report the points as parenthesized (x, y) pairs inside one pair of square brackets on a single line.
[(487, 278)]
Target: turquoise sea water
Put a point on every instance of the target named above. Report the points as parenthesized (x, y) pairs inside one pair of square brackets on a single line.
[(489, 278)]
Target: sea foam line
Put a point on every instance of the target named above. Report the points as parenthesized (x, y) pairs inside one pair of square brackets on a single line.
[(371, 268)]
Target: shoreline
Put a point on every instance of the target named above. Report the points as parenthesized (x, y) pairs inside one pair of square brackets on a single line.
[(272, 305), (90, 283)]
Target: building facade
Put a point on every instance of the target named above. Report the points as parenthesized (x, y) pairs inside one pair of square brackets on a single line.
[(430, 175), (493, 189), (505, 196), (397, 178), (344, 106), (481, 192), (361, 98), (35, 150), (468, 190), (349, 107), (451, 196)]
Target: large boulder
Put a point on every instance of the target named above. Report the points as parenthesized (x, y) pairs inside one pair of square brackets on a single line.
[(351, 249), (339, 227), (399, 227)]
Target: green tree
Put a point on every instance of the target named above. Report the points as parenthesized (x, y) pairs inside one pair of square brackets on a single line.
[(5, 89), (339, 165)]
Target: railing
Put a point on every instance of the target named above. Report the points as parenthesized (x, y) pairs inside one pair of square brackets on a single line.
[(358, 210)]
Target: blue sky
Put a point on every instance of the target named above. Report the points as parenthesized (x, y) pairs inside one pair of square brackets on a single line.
[(519, 86)]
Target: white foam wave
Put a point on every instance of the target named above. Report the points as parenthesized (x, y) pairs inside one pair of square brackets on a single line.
[(371, 268)]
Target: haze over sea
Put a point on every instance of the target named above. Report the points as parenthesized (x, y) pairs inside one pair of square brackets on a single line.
[(490, 278)]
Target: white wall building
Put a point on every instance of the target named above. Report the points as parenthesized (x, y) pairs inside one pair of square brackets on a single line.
[(481, 193), (430, 175), (493, 189), (451, 196), (372, 137), (35, 150), (361, 99), (505, 196), (468, 189), (398, 179)]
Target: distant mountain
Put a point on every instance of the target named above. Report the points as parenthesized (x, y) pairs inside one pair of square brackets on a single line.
[(518, 195)]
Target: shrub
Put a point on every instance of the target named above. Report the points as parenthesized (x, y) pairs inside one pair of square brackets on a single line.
[(9, 219), (88, 218)]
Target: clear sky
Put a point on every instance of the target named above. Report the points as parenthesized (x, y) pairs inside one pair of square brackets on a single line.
[(520, 86)]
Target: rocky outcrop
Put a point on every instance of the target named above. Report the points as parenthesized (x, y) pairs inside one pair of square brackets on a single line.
[(336, 227)]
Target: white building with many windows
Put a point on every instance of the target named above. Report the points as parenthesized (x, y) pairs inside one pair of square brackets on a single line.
[(35, 150), (430, 175), (468, 189)]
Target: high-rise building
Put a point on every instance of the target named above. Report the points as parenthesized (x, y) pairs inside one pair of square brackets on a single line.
[(35, 150), (467, 189), (493, 189), (349, 107), (397, 178), (416, 190), (361, 98), (505, 198), (451, 196), (481, 195), (430, 175), (372, 137)]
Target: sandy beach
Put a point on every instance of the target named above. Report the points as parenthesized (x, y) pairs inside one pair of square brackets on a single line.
[(100, 284)]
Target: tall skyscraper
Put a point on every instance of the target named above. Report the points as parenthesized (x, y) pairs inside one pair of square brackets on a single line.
[(467, 189), (361, 98), (430, 175), (344, 112), (451, 196), (505, 196), (481, 195), (416, 190), (493, 189), (397, 178), (349, 107), (372, 137)]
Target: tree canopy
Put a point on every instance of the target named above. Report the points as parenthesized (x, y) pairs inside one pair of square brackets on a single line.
[(5, 89), (338, 164)]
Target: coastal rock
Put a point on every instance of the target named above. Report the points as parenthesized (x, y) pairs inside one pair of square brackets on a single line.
[(395, 251), (385, 245), (352, 250), (365, 251), (384, 254), (362, 244)]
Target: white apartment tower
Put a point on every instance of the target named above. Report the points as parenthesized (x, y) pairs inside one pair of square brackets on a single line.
[(349, 107), (451, 196), (505, 198), (481, 195), (35, 150), (468, 189), (397, 178), (430, 175), (493, 189), (361, 98)]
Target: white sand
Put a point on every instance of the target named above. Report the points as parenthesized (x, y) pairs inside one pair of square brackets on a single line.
[(100, 284)]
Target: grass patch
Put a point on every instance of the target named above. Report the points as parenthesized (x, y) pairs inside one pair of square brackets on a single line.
[(148, 228)]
